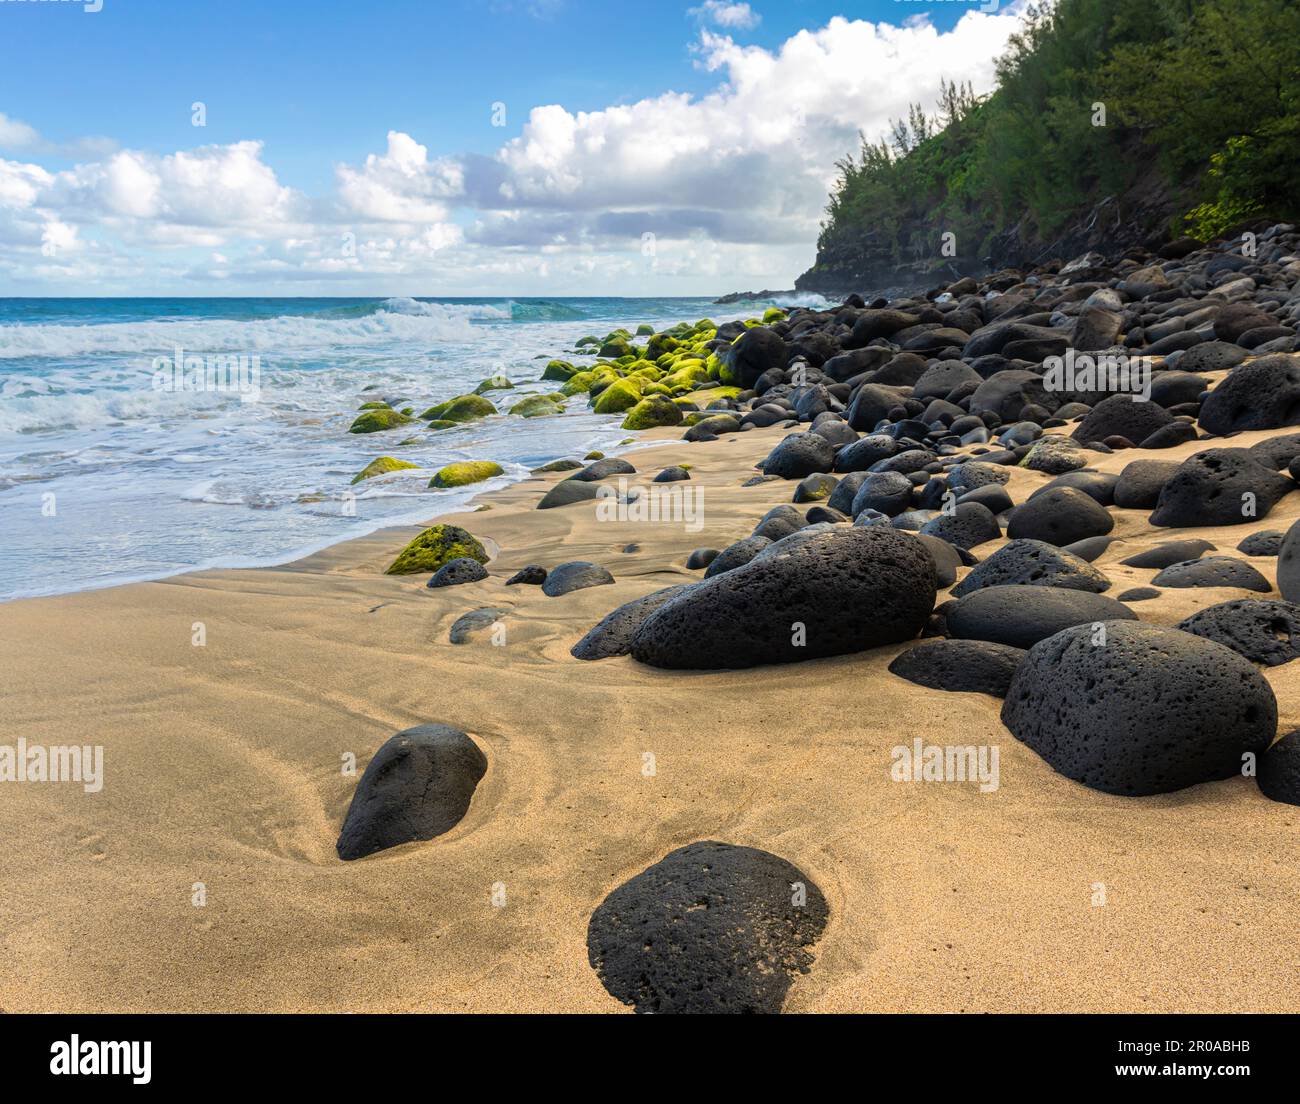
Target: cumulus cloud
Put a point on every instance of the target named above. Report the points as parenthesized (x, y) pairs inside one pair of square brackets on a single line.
[(737, 17), (731, 184)]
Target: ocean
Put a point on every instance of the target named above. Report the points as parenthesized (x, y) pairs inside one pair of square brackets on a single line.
[(107, 475)]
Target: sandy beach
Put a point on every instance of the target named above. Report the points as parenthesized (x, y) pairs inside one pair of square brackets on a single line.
[(224, 778)]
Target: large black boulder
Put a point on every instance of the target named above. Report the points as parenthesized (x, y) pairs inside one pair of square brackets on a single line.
[(1141, 481), (1122, 416), (709, 928), (1021, 616), (967, 525), (575, 575), (758, 350), (1140, 710), (799, 455), (417, 786), (1260, 395), (1225, 486), (817, 593), (1261, 629), (1061, 515), (971, 666)]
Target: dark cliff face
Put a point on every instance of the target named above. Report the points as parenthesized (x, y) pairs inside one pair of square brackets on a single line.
[(868, 262)]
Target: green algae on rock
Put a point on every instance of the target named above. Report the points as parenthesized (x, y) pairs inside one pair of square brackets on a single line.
[(536, 406), (373, 421), (463, 408), (437, 545), (381, 465), (653, 411), (466, 471)]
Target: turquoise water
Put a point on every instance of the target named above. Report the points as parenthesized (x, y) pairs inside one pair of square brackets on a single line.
[(106, 476)]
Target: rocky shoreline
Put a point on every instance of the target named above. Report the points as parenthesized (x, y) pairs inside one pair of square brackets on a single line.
[(906, 418)]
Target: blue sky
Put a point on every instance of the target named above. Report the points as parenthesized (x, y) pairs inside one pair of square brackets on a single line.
[(111, 189)]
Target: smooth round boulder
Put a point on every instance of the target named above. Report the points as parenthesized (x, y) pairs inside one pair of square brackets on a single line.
[(1288, 565), (701, 557), (963, 666), (575, 575), (1140, 483), (709, 928), (1213, 571), (1061, 515), (888, 492), (969, 524), (1121, 416), (799, 455), (802, 598), (1168, 553), (417, 785), (1133, 709), (1021, 616), (1267, 542)]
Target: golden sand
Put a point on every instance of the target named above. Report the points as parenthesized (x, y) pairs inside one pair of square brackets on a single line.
[(223, 766)]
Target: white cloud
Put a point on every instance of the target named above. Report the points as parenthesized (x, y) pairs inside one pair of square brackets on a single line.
[(732, 183), (736, 17), (15, 134)]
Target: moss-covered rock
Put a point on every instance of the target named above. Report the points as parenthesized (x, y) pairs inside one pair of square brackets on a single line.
[(466, 471), (442, 423), (381, 466), (619, 396), (373, 421), (437, 545), (773, 314), (493, 383), (583, 342), (594, 454), (660, 344), (536, 406), (463, 408), (644, 328), (615, 346), (653, 411), (559, 370), (376, 405), (583, 381)]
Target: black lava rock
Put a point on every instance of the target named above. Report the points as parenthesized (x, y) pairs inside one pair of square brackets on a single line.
[(612, 635), (798, 455), (1021, 616), (674, 474), (1279, 770), (968, 525), (602, 469), (1260, 395), (709, 928), (1219, 487), (736, 555), (972, 666), (454, 572), (1267, 542), (1033, 563), (1141, 481), (701, 557), (1147, 711), (801, 598), (1122, 416), (1168, 553), (533, 575), (417, 786), (1213, 571), (1261, 629), (1060, 516), (568, 492), (575, 575)]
